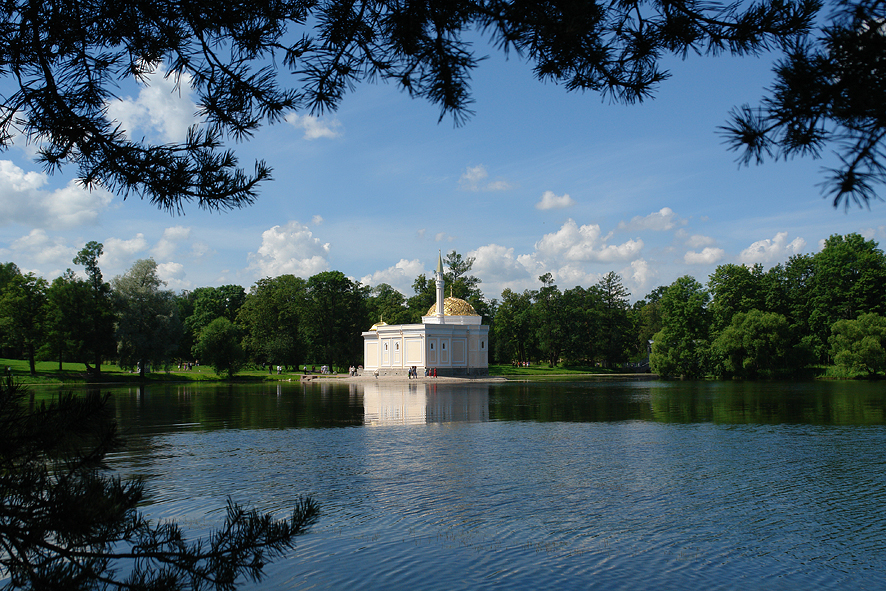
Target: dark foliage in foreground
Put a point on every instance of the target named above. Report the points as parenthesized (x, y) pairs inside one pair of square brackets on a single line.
[(65, 524)]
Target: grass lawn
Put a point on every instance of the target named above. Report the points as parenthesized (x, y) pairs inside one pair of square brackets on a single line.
[(542, 370), (49, 374)]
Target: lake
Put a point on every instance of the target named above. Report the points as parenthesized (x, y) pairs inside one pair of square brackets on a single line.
[(528, 485)]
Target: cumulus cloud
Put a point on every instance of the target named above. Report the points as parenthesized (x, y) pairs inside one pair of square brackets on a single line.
[(585, 243), (173, 275), (48, 252), (317, 220), (315, 128), (768, 251), (699, 241), (551, 201), (170, 241), (23, 200), (117, 253), (290, 249), (400, 276), (161, 108), (705, 257), (639, 276), (661, 220), (494, 263), (443, 237), (474, 179)]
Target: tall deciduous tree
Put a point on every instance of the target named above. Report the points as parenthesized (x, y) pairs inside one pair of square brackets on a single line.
[(849, 278), (755, 344), (387, 304), (514, 329), (734, 289), (23, 308), (96, 326), (336, 311), (272, 317), (149, 328), (63, 61), (680, 347), (219, 347)]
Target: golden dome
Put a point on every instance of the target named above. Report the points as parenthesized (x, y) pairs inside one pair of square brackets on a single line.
[(377, 324), (454, 307)]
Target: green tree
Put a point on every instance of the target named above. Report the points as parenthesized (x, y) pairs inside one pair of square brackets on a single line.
[(829, 90), (387, 304), (96, 325), (549, 320), (646, 319), (425, 290), (514, 330), (64, 60), (23, 308), (336, 311), (615, 322), (680, 348), (272, 318), (755, 344), (860, 344), (585, 336), (733, 289), (219, 347), (68, 301), (149, 328), (849, 279), (68, 525)]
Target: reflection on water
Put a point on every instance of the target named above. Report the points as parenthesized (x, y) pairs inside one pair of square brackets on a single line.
[(664, 485), (414, 403)]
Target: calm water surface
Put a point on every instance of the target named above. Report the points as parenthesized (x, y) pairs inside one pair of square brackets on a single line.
[(606, 485)]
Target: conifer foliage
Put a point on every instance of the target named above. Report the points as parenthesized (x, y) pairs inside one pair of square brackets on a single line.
[(65, 524)]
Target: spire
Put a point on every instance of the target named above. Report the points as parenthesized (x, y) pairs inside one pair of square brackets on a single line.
[(439, 262)]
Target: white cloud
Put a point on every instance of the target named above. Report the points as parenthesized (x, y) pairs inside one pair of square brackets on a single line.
[(24, 201), (168, 244), (443, 237), (661, 220), (317, 220), (290, 249), (162, 108), (38, 248), (118, 255), (705, 257), (574, 243), (173, 275), (474, 179), (551, 201), (698, 241), (775, 250), (400, 276), (639, 276), (315, 128), (494, 263)]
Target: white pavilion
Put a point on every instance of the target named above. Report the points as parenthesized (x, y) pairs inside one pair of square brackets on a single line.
[(451, 339)]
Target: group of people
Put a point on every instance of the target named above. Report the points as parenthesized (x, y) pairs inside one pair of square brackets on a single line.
[(429, 372)]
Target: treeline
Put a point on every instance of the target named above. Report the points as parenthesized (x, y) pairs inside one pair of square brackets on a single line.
[(136, 322), (745, 322), (826, 308)]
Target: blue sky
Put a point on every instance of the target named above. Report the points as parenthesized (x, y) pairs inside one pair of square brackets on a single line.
[(539, 180)]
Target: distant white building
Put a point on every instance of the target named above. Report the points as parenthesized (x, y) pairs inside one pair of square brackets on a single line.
[(451, 339)]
